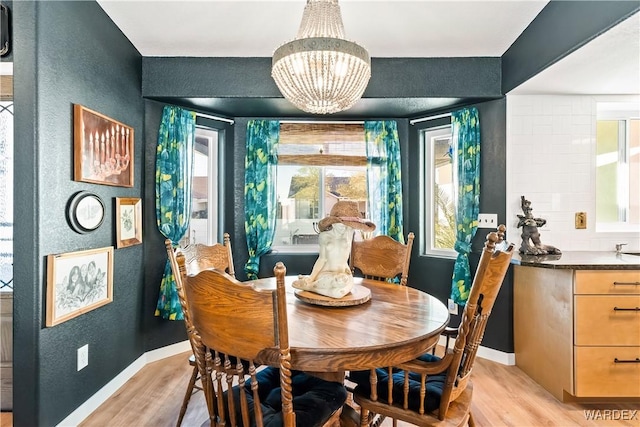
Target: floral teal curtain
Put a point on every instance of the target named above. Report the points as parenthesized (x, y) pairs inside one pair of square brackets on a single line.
[(174, 171), (466, 148), (260, 190), (384, 183)]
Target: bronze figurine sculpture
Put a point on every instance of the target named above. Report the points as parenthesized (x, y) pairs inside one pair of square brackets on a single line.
[(531, 243)]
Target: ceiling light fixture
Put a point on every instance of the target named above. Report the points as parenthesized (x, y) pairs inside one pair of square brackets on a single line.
[(320, 72)]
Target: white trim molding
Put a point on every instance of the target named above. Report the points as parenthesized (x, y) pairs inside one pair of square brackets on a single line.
[(497, 356), (101, 396)]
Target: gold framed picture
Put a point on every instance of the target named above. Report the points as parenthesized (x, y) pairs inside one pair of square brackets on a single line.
[(128, 221), (103, 149), (78, 282)]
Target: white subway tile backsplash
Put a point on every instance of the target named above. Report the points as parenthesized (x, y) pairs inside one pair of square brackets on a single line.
[(560, 109), (583, 119), (515, 126), (580, 182), (582, 130), (551, 159), (567, 127), (521, 109), (541, 130), (581, 158)]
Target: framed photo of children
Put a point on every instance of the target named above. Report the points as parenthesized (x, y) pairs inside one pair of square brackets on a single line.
[(102, 149), (78, 282), (128, 221)]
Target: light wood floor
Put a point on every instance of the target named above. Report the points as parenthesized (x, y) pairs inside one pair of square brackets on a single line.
[(502, 395)]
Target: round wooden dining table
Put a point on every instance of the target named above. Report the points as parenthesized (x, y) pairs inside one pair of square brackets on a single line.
[(397, 324)]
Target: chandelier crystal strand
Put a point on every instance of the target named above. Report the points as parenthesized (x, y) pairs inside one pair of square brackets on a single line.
[(320, 72)]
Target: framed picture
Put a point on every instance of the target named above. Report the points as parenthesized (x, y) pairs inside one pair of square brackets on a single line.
[(85, 212), (103, 149), (128, 221), (78, 282)]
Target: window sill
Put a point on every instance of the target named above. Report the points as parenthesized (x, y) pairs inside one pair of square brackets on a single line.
[(442, 255), (298, 249), (617, 228)]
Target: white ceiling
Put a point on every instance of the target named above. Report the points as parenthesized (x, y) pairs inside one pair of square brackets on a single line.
[(610, 64)]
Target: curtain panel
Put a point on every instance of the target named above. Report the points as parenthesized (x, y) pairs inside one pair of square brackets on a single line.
[(260, 190), (384, 178), (174, 174), (466, 148)]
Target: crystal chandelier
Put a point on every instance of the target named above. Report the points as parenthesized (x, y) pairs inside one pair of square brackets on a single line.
[(320, 72)]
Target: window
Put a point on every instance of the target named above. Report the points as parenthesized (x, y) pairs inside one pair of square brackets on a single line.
[(203, 225), (438, 199), (318, 164), (617, 167)]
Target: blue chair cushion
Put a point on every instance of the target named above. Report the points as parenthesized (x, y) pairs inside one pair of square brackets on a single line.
[(314, 399), (435, 384)]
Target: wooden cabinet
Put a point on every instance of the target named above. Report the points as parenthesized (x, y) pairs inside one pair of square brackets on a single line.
[(577, 332), (607, 333)]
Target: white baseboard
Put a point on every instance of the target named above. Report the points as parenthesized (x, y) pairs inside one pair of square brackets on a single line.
[(84, 410), (488, 353)]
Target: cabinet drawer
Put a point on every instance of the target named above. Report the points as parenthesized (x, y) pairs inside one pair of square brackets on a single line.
[(598, 375), (607, 282), (607, 320)]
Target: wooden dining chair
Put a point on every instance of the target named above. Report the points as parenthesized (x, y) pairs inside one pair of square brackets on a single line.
[(238, 327), (381, 258), (191, 259), (432, 391)]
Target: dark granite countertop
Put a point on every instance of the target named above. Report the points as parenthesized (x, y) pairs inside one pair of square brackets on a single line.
[(580, 260)]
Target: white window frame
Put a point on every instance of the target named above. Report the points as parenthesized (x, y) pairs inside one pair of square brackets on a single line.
[(623, 113), (314, 247), (427, 177), (213, 202)]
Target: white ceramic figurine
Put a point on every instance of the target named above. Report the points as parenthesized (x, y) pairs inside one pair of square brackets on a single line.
[(331, 275)]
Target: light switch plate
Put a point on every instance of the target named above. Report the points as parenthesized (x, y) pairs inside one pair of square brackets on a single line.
[(83, 356), (581, 220), (453, 307), (487, 220)]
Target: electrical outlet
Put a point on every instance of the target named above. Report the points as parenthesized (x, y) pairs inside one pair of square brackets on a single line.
[(487, 220), (83, 356), (453, 307)]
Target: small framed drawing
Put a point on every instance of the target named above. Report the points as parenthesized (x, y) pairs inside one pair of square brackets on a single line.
[(85, 212), (128, 221), (102, 149), (78, 282)]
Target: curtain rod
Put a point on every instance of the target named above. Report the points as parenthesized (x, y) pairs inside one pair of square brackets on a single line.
[(222, 119), (329, 122), (424, 119)]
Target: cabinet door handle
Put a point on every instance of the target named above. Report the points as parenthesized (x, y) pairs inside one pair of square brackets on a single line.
[(636, 360), (627, 283), (626, 309)]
